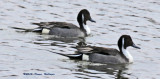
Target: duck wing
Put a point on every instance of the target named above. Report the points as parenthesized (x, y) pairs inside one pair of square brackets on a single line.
[(100, 50), (56, 24)]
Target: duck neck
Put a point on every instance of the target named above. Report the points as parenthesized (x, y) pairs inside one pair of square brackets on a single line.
[(125, 53), (82, 23)]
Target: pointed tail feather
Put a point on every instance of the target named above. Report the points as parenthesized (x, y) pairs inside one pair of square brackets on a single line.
[(71, 56), (39, 24), (21, 28), (39, 29)]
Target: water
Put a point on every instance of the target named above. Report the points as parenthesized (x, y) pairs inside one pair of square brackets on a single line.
[(22, 52)]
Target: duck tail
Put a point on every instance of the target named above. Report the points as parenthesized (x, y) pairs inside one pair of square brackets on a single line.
[(71, 56), (39, 24), (39, 29)]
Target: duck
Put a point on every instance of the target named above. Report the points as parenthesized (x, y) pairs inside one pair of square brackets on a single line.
[(64, 29), (106, 55)]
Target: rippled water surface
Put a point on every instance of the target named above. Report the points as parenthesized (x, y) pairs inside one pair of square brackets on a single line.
[(22, 52)]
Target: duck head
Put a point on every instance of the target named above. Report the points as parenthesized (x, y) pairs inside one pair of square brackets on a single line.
[(126, 41), (82, 19)]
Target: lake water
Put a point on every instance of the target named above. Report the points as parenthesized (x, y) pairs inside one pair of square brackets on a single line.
[(30, 53)]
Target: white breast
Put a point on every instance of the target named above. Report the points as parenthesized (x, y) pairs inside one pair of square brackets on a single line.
[(128, 55), (87, 29)]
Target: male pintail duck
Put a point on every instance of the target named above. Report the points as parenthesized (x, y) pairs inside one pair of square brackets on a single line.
[(106, 55), (64, 29)]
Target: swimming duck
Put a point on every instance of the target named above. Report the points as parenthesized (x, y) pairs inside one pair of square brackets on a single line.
[(106, 55), (64, 29)]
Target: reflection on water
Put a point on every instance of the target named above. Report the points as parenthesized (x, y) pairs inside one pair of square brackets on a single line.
[(96, 68), (31, 52)]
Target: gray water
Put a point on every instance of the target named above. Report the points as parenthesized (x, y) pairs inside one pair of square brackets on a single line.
[(22, 52)]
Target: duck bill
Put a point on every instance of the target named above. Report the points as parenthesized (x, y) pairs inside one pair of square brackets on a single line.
[(92, 20), (135, 46)]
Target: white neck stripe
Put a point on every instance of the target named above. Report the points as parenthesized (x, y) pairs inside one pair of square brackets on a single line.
[(85, 26), (82, 18)]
